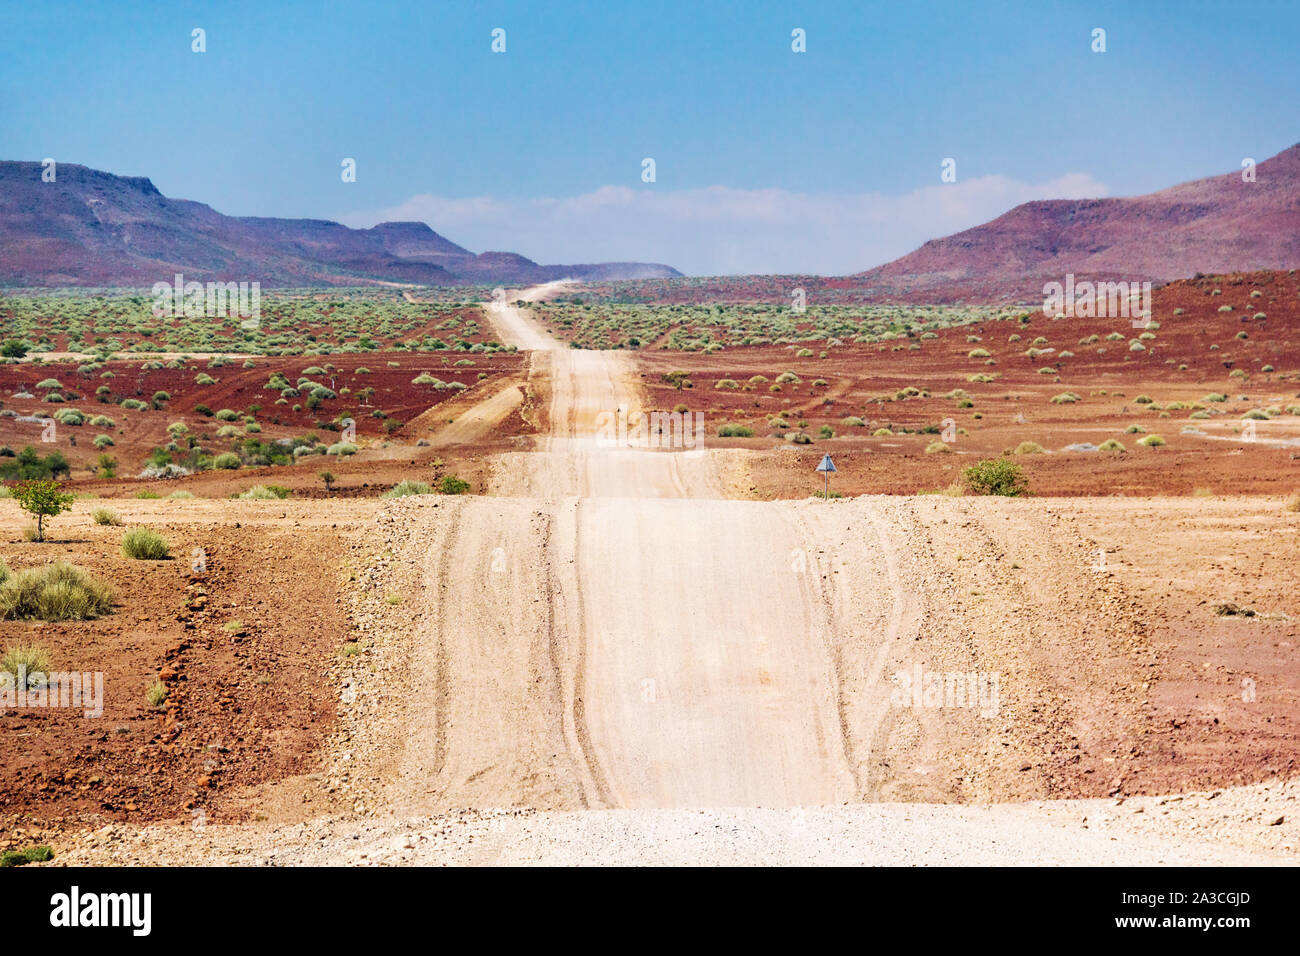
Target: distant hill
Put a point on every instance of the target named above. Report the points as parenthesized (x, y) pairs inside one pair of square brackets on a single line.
[(92, 228), (1215, 225)]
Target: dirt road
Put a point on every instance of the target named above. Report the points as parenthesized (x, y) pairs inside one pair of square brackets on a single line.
[(691, 673), (471, 424)]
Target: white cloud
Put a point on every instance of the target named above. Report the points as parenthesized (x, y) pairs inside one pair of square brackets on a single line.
[(719, 230)]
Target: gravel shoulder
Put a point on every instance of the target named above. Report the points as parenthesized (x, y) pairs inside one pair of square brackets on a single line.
[(1214, 828)]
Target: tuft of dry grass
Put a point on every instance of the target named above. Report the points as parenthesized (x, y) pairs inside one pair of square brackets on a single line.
[(156, 694), (145, 544), (54, 592), (27, 659), (106, 516)]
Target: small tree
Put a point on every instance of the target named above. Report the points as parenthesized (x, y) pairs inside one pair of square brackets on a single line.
[(329, 479), (43, 499), (678, 379)]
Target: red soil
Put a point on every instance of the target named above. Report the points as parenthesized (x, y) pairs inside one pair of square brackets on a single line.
[(861, 380)]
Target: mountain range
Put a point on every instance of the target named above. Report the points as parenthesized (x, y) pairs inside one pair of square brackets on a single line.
[(92, 228)]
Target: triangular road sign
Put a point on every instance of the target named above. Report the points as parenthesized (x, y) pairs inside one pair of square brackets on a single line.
[(827, 464)]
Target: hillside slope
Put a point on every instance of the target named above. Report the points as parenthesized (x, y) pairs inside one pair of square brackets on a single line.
[(1216, 225)]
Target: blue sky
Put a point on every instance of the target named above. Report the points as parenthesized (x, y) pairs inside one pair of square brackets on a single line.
[(766, 160)]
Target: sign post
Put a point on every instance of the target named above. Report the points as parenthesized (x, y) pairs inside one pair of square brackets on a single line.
[(826, 467)]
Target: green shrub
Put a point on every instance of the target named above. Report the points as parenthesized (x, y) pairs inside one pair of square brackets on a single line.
[(408, 487), (451, 485), (145, 544), (227, 460), (265, 493), (31, 854), (996, 476), (1111, 444), (735, 431)]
